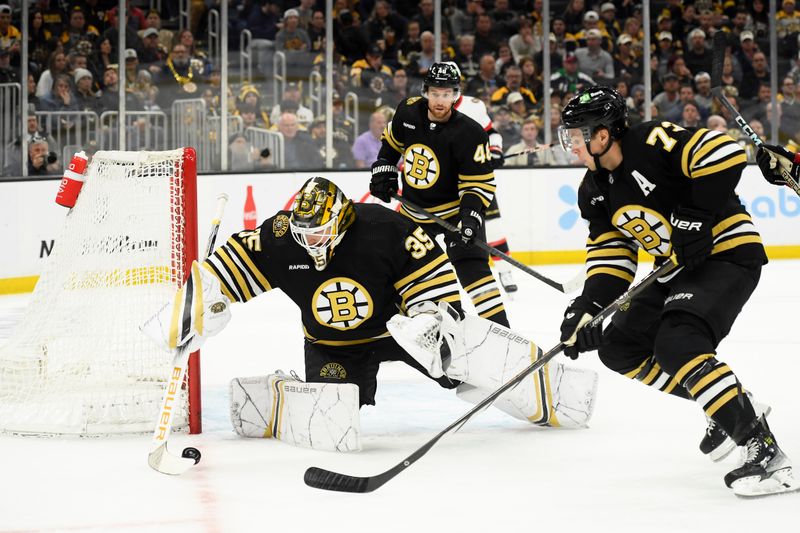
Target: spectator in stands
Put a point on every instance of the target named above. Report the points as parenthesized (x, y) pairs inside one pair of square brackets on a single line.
[(305, 12), (85, 98), (41, 160), (291, 97), (504, 21), (690, 115), (298, 150), (790, 110), (38, 39), (703, 96), (52, 16), (573, 15), (717, 123), (507, 128), (152, 56), (135, 17), (760, 74), (523, 42), (669, 99), (787, 24), (504, 59), (664, 52), (262, 21), (516, 104), (747, 50), (197, 57), (249, 95), (77, 30), (292, 38), (486, 79), (529, 140), (349, 38), (341, 155), (698, 56), (531, 79), (101, 57), (131, 68), (757, 110), (383, 16), (56, 65), (609, 22), (316, 31), (242, 156), (8, 74), (486, 41), (253, 118), (425, 17), (626, 65), (10, 36), (369, 76), (466, 58), (513, 85), (556, 59), (676, 65), (165, 37), (730, 78), (593, 61), (367, 145), (60, 97), (108, 98), (568, 79), (591, 21), (462, 22), (398, 90), (179, 79), (410, 44), (420, 62)]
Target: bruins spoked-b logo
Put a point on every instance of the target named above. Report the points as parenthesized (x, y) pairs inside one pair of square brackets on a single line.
[(421, 166), (647, 226), (341, 303)]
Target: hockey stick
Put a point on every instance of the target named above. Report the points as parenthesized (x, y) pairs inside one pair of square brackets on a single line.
[(538, 148), (568, 287), (716, 89), (319, 478), (159, 457)]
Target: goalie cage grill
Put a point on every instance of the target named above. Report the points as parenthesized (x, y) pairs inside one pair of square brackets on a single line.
[(78, 364)]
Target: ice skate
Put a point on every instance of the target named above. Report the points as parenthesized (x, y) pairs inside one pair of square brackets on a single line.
[(506, 279), (716, 443), (766, 469)]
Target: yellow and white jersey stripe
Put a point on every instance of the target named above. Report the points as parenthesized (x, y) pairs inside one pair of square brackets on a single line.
[(239, 276), (613, 254), (436, 281), (708, 152)]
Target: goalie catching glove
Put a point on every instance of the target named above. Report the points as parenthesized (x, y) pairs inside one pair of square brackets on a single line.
[(199, 310)]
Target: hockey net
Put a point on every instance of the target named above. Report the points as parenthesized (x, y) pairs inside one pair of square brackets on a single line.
[(78, 363)]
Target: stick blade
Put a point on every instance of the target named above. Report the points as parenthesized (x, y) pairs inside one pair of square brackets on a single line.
[(720, 43), (162, 461), (320, 478)]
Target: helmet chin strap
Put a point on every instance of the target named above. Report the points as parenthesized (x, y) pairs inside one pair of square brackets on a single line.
[(597, 157)]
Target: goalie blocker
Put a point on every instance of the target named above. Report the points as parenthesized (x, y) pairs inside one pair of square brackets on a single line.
[(483, 355)]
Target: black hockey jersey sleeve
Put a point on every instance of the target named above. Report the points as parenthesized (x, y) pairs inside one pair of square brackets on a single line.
[(475, 173), (393, 139), (611, 257), (233, 264), (427, 274)]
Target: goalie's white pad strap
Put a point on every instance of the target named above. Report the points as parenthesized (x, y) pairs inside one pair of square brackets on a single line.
[(321, 416)]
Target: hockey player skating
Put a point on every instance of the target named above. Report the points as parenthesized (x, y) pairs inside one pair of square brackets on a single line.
[(670, 190), (350, 268), (475, 109), (447, 170)]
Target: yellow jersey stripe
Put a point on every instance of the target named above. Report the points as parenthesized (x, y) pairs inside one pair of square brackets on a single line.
[(737, 241), (476, 177), (687, 150), (612, 252), (254, 270), (420, 272), (635, 372), (728, 222), (486, 296), (725, 398), (237, 275), (223, 286), (708, 147), (484, 201), (608, 236), (610, 271), (445, 278), (691, 365), (484, 280), (739, 159), (708, 378)]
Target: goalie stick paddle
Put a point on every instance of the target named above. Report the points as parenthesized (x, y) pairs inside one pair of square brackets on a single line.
[(159, 457), (319, 478), (718, 58), (570, 286)]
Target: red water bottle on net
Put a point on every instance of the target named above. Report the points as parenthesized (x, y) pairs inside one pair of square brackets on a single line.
[(250, 217), (71, 183)]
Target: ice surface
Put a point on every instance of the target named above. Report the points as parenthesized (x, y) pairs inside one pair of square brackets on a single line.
[(637, 469)]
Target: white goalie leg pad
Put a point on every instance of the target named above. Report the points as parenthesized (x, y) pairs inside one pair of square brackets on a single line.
[(320, 416), (491, 355)]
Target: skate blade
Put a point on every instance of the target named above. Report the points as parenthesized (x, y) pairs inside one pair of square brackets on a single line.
[(780, 482), (722, 451)]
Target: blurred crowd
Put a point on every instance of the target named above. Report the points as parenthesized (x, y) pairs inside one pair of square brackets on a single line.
[(382, 50)]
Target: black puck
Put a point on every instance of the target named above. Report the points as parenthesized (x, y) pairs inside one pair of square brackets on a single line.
[(191, 453)]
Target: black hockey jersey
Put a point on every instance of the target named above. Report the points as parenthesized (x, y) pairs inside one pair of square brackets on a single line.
[(442, 161), (664, 166), (384, 263)]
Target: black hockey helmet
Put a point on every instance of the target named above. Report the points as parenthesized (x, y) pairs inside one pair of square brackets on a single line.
[(320, 216), (443, 74), (596, 107)]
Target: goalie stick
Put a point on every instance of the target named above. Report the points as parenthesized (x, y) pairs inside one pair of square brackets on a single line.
[(320, 478), (718, 57), (570, 286), (159, 457)]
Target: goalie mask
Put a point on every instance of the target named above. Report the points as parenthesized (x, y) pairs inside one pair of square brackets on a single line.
[(320, 217)]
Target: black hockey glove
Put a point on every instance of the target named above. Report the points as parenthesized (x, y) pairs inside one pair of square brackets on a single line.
[(771, 158), (471, 221), (585, 339), (497, 159), (384, 180), (692, 240)]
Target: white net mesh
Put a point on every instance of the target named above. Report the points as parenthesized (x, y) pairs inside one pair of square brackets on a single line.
[(78, 363)]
